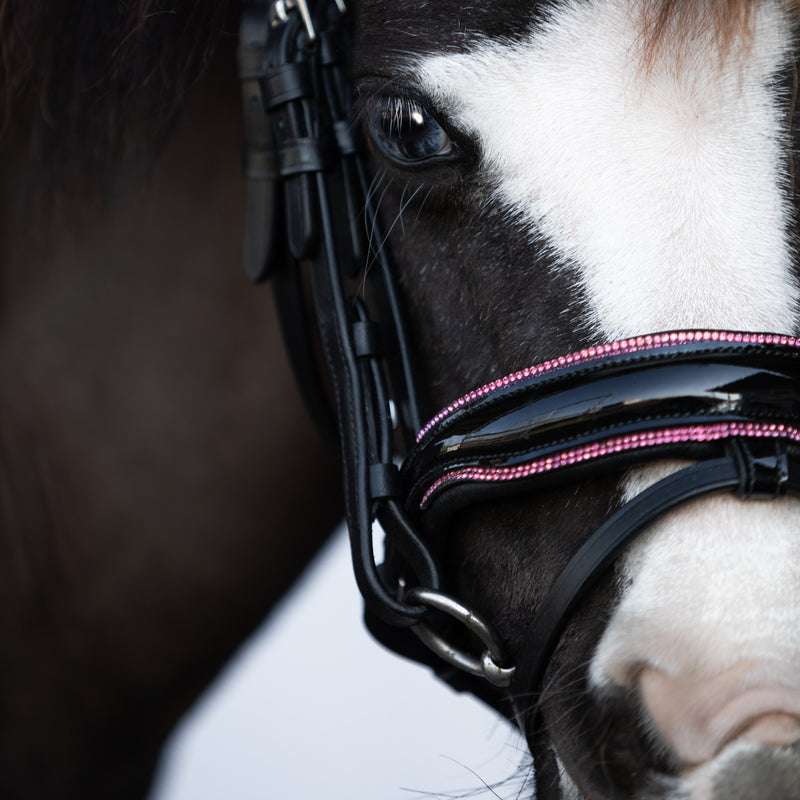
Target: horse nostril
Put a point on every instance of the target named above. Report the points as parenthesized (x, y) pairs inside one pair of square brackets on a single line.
[(699, 716), (775, 728)]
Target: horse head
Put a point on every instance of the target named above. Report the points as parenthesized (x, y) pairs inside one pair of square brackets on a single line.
[(559, 175), (553, 177)]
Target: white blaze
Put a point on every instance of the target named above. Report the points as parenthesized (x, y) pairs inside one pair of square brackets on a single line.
[(665, 191)]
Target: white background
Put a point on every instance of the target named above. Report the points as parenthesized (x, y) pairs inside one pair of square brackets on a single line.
[(314, 708)]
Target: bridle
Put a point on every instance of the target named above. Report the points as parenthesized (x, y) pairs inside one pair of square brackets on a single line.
[(728, 401)]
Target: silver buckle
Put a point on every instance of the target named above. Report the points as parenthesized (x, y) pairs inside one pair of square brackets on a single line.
[(280, 10)]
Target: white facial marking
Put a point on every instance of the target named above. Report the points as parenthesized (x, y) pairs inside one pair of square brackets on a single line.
[(663, 189)]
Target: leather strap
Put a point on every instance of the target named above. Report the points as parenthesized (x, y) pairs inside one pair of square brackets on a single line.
[(258, 156), (780, 473), (325, 211), (596, 555)]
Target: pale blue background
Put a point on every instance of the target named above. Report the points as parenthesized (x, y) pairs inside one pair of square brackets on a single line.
[(374, 727)]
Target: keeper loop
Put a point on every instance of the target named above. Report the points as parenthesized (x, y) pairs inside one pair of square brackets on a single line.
[(384, 481), (763, 468), (307, 154), (367, 339), (286, 83)]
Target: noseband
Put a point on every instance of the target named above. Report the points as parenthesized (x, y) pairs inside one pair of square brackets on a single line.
[(728, 401)]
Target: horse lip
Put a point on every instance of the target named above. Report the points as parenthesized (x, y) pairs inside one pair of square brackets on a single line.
[(698, 781)]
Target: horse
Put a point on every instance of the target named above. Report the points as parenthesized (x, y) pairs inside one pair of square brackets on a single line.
[(556, 177), (151, 434), (561, 182)]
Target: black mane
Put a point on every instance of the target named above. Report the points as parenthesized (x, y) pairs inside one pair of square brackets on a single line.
[(74, 76)]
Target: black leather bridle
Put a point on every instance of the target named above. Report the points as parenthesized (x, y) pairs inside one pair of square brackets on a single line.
[(728, 401)]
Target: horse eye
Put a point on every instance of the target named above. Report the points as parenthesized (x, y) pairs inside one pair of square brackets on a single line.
[(407, 132)]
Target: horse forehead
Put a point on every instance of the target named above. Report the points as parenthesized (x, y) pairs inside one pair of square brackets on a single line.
[(662, 183), (450, 25), (391, 29)]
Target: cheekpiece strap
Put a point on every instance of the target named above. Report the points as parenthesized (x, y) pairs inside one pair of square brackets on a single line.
[(311, 222)]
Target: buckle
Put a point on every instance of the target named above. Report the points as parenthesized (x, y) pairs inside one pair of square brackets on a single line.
[(281, 9), (763, 467)]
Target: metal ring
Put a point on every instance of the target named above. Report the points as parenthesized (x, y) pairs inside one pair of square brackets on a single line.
[(488, 665)]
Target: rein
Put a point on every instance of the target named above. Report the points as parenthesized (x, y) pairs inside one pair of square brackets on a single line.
[(727, 400)]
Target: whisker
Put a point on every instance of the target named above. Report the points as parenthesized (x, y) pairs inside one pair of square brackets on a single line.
[(398, 216), (375, 250)]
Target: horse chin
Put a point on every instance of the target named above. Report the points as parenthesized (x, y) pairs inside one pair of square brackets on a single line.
[(745, 771)]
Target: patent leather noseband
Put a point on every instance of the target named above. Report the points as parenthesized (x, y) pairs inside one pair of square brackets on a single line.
[(728, 401)]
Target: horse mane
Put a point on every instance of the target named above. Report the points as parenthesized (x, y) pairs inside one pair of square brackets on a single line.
[(728, 22), (79, 73)]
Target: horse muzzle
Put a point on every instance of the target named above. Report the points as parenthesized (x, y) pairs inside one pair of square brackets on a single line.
[(698, 719)]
